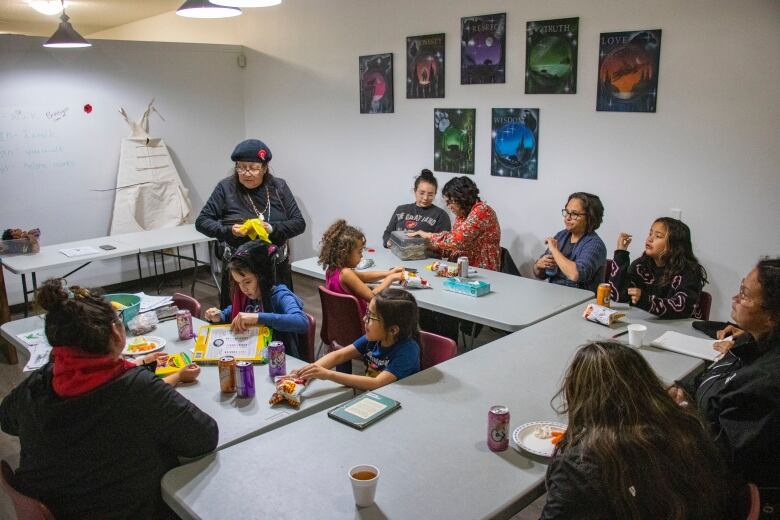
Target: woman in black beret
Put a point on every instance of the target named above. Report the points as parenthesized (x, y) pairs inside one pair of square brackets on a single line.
[(251, 191)]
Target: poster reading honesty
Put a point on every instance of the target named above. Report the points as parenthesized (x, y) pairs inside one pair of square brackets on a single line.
[(376, 83), (483, 49), (551, 56), (425, 66), (453, 139), (515, 143), (628, 71)]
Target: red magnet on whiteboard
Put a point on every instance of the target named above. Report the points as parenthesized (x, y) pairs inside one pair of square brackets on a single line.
[(88, 108), (371, 250)]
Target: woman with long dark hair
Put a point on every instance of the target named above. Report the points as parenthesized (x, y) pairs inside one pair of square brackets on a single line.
[(422, 214), (250, 192), (629, 451), (667, 279)]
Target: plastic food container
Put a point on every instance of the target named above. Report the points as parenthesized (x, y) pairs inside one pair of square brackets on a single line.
[(468, 287), (407, 248), (130, 302), (19, 246)]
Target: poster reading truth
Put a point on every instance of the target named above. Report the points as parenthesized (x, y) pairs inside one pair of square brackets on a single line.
[(551, 56), (425, 66), (453, 140), (483, 49), (515, 143), (376, 83), (628, 71)]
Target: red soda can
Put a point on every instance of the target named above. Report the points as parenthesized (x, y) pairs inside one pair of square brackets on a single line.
[(498, 428), (227, 374), (277, 363), (245, 379), (184, 324)]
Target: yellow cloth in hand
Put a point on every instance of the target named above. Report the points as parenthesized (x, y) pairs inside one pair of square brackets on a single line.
[(255, 230)]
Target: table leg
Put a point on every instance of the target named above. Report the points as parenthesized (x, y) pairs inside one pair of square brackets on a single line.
[(140, 273), (164, 275), (156, 274), (178, 259), (194, 269), (5, 316), (24, 292)]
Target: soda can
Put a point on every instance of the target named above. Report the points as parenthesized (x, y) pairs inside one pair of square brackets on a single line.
[(227, 374), (184, 324), (277, 363), (245, 379), (602, 294), (463, 266), (498, 428)]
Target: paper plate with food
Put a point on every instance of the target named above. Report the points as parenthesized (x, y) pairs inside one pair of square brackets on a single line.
[(143, 345), (539, 437)]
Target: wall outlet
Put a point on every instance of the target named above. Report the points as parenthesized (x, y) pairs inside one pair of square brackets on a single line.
[(676, 213)]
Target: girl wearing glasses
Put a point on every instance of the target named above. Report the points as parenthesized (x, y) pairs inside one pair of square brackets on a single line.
[(667, 279), (390, 347), (423, 214), (576, 255), (251, 191)]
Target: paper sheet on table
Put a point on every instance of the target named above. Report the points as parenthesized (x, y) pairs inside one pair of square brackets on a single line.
[(152, 302), (39, 349), (80, 251), (688, 345)]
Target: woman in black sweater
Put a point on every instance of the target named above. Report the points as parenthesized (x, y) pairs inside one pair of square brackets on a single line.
[(629, 451), (98, 433), (667, 279)]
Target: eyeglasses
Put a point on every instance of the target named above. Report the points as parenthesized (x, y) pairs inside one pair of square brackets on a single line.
[(742, 295), (571, 214), (370, 317), (249, 170)]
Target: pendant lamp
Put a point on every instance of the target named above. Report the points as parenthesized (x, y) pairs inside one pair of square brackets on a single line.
[(247, 3), (66, 36), (206, 9)]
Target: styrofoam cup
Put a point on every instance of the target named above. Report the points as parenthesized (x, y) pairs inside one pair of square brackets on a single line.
[(364, 490), (636, 334)]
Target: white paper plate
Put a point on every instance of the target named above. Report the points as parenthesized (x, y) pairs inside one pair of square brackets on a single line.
[(149, 339), (526, 440)]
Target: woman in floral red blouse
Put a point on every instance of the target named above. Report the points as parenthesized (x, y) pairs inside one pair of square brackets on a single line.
[(475, 234)]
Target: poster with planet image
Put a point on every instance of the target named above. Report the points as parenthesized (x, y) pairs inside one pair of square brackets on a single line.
[(425, 66), (376, 83), (515, 143), (483, 49), (453, 139), (628, 71), (551, 56)]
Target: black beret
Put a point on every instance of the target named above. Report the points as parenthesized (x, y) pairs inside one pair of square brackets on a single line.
[(251, 150)]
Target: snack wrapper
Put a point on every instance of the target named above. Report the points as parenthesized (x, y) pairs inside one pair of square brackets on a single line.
[(288, 388), (255, 230), (443, 269), (600, 314), (167, 365), (412, 281)]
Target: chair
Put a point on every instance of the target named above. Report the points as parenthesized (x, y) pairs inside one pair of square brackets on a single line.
[(306, 341), (609, 267), (342, 323), (752, 502), (182, 301), (704, 304), (27, 508), (507, 265), (434, 349)]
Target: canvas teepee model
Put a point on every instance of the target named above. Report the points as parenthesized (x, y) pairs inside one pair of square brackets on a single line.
[(149, 191)]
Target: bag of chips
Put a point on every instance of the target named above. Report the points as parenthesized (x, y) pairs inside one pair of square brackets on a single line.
[(412, 281), (288, 388), (600, 314)]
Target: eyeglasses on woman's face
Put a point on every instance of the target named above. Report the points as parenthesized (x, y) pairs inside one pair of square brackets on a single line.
[(249, 169), (369, 317), (573, 215)]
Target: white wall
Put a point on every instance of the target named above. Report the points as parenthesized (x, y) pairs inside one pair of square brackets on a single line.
[(198, 89), (711, 149), (169, 27)]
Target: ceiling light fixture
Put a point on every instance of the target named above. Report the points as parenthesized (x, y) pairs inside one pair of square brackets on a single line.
[(206, 9), (47, 7), (247, 3), (66, 37)]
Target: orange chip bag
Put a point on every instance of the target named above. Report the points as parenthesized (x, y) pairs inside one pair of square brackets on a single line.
[(288, 388)]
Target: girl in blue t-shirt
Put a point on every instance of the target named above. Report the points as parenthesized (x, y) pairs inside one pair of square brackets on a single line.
[(389, 348)]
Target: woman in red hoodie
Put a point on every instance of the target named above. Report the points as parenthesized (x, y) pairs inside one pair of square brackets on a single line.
[(97, 433)]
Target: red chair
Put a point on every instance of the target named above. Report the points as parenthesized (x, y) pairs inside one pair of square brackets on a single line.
[(27, 508), (182, 301), (342, 323), (306, 341), (704, 304), (752, 502), (434, 349)]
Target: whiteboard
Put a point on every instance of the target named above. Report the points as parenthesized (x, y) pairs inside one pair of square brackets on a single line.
[(56, 154)]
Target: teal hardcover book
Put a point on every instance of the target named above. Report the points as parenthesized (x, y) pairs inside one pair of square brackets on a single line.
[(364, 410)]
